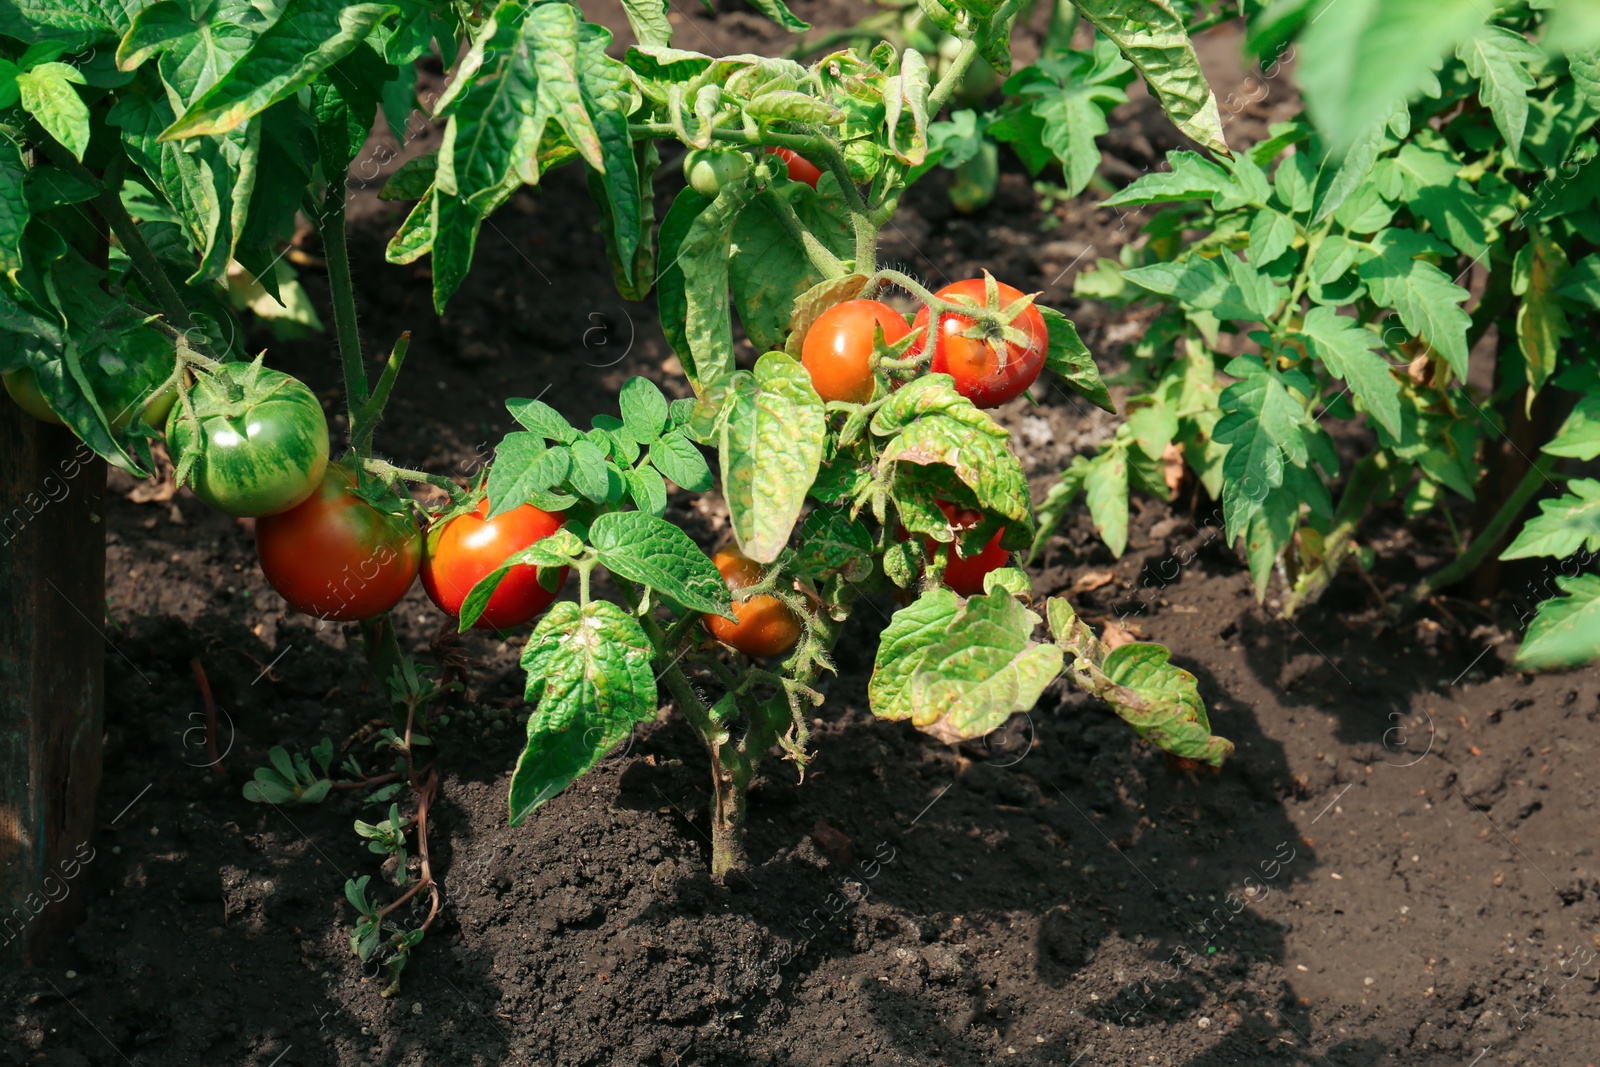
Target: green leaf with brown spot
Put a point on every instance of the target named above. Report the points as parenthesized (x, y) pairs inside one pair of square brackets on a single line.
[(773, 428)]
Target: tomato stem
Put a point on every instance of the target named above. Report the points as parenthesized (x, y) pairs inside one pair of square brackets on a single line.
[(337, 253), (366, 420), (825, 261), (1537, 477), (389, 472)]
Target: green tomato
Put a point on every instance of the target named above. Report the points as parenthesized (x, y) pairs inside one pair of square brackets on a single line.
[(23, 387), (261, 443), (707, 171)]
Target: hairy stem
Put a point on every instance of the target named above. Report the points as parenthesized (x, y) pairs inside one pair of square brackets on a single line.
[(389, 472), (1367, 483), (1490, 536), (366, 420), (825, 261), (337, 252)]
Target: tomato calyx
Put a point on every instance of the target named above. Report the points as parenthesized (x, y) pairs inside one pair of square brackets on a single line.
[(993, 325)]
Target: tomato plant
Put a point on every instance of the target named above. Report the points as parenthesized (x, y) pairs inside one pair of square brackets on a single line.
[(337, 556), (462, 550), (141, 187)]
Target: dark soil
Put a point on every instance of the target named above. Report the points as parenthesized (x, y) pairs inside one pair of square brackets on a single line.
[(1397, 866)]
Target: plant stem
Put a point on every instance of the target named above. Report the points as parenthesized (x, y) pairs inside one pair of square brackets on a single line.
[(1369, 478), (366, 420), (822, 259), (337, 253), (388, 472), (1536, 478)]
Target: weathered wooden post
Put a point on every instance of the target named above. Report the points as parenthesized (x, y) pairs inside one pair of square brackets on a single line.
[(52, 677)]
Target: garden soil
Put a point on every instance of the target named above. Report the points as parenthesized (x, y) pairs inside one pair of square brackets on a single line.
[(1397, 866)]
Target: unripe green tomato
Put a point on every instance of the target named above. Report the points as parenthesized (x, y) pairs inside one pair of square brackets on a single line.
[(707, 171), (24, 389)]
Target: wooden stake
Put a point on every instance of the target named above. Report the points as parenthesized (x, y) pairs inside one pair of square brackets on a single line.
[(52, 677)]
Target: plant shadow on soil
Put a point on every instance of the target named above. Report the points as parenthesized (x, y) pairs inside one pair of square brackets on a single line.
[(1054, 895)]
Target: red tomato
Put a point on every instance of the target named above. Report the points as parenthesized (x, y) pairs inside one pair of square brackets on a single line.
[(801, 169), (337, 557), (964, 575), (464, 550), (767, 627), (981, 374), (838, 348)]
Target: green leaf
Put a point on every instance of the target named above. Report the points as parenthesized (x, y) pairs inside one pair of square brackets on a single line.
[(644, 409), (1371, 54), (1158, 699), (672, 305), (648, 491), (1152, 35), (1363, 152), (1427, 301), (1272, 233), (1499, 58), (588, 473), (1264, 427), (542, 419), (196, 44), (1063, 106), (1190, 177), (929, 424), (1203, 284), (1105, 484), (771, 270), (345, 103), (308, 38), (773, 429), (1583, 283), (523, 470), (1566, 632), (414, 238), (590, 677), (653, 552), (14, 210), (779, 12), (905, 96), (1350, 352), (902, 646), (648, 20), (634, 226), (984, 667), (1563, 526), (677, 457), (455, 235), (491, 139), (1069, 357), (1579, 436), (548, 554), (831, 542), (48, 95), (703, 259), (73, 24)]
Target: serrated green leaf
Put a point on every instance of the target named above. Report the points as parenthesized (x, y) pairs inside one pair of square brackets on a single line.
[(1540, 268), (1579, 436), (1271, 235), (771, 270), (644, 409), (653, 552), (648, 491), (1425, 298), (1205, 285), (779, 12), (675, 456), (72, 24), (1356, 167), (1152, 35), (345, 103), (1264, 427), (1583, 282), (14, 211), (648, 20), (455, 235), (1500, 59), (1566, 632), (1190, 177), (1563, 526), (590, 678), (523, 470), (770, 448), (1069, 357), (542, 419), (672, 305), (1350, 353), (308, 38), (1064, 101), (588, 473), (831, 542), (1105, 483)]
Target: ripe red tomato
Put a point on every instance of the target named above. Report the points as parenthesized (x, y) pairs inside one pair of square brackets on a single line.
[(801, 169), (767, 627), (337, 557), (964, 575), (838, 348), (980, 373), (464, 550)]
